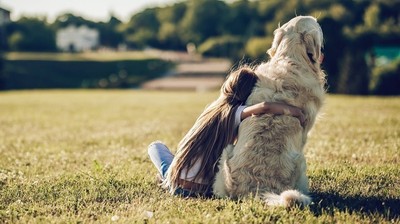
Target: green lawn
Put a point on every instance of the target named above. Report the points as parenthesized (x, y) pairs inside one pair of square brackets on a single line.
[(80, 156)]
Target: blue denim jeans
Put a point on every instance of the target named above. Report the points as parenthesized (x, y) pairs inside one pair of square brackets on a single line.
[(162, 158)]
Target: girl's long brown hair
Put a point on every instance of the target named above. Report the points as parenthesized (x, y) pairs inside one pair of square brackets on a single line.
[(213, 130)]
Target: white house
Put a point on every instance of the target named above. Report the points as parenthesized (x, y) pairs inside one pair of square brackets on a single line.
[(4, 16), (74, 38)]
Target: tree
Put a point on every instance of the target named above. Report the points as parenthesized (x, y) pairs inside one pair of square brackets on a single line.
[(368, 31), (32, 34), (241, 19), (223, 46), (169, 32), (67, 19), (333, 53), (109, 33), (352, 29), (203, 19), (142, 29)]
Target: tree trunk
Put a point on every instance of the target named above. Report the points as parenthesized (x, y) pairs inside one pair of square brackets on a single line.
[(354, 73)]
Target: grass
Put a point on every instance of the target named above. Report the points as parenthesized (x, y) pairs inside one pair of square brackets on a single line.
[(80, 156)]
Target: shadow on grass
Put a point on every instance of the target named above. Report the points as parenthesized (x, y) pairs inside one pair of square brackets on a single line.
[(329, 202)]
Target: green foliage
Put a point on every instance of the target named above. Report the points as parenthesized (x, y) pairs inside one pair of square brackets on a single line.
[(339, 13), (68, 19), (203, 19), (386, 79), (32, 34), (257, 47), (50, 73), (109, 33), (354, 77), (371, 16), (14, 40), (81, 156), (266, 9), (351, 28), (223, 46), (169, 37), (172, 14), (241, 20), (169, 33), (142, 29), (140, 39)]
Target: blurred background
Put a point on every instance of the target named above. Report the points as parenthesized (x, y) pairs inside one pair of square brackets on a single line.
[(171, 44)]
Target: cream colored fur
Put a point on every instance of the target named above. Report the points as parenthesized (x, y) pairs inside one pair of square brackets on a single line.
[(267, 161)]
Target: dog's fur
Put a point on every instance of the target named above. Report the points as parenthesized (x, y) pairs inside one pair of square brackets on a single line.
[(267, 161)]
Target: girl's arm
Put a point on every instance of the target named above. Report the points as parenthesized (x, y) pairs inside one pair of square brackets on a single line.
[(273, 108)]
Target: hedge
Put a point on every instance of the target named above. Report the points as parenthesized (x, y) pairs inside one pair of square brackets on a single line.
[(37, 74)]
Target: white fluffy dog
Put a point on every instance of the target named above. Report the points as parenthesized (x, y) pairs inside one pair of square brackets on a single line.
[(268, 161)]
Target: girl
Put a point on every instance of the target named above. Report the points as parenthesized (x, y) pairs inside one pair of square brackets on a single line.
[(191, 172)]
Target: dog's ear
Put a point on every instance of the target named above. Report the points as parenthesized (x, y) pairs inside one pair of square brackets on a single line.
[(313, 45), (278, 35)]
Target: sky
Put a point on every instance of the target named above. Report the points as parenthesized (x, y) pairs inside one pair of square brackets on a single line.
[(95, 10)]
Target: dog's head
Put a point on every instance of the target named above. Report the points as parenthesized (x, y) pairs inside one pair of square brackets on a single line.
[(300, 37)]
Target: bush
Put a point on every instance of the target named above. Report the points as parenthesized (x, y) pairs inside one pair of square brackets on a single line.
[(386, 79), (224, 46)]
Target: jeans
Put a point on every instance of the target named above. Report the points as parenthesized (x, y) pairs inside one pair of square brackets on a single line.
[(162, 158)]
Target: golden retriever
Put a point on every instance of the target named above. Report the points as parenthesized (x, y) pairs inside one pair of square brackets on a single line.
[(267, 160)]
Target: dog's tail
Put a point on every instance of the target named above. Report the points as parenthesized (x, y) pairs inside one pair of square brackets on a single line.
[(287, 199)]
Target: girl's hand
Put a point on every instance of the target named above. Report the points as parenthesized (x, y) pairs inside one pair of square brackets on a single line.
[(273, 108), (280, 108)]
